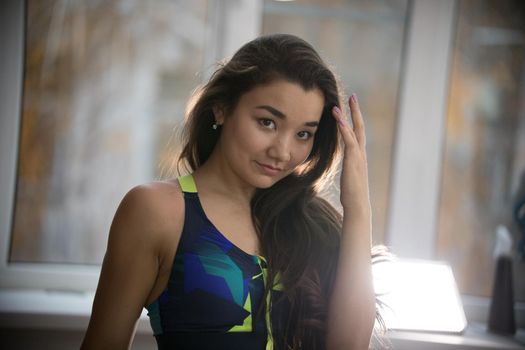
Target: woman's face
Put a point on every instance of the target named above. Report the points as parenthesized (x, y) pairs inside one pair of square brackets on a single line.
[(270, 132)]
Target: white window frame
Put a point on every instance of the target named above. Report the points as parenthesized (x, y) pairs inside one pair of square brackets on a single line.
[(416, 173)]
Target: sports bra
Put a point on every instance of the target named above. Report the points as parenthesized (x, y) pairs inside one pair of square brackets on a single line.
[(213, 296)]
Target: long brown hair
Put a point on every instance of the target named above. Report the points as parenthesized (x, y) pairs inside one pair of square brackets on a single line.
[(299, 232)]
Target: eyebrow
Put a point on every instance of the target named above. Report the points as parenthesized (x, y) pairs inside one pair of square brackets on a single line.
[(277, 113)]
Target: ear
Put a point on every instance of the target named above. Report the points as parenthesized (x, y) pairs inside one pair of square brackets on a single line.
[(218, 113)]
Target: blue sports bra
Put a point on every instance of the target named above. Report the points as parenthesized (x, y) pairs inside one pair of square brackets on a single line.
[(214, 292)]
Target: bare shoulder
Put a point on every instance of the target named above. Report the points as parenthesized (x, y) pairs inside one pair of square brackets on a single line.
[(156, 198), (153, 210), (143, 234)]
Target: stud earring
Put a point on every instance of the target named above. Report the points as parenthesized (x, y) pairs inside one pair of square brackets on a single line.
[(215, 126)]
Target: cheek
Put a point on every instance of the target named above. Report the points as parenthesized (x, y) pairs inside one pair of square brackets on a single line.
[(304, 153), (244, 139)]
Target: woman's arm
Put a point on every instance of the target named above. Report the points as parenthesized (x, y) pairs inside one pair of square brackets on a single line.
[(130, 266), (351, 312)]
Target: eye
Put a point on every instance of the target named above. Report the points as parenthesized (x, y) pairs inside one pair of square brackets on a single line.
[(304, 135), (267, 123)]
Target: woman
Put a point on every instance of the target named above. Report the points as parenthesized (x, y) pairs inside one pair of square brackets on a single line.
[(243, 253)]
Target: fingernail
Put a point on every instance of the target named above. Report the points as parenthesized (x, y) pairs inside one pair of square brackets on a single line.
[(354, 98), (338, 116)]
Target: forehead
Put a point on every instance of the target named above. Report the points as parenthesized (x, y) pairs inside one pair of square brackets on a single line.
[(289, 98)]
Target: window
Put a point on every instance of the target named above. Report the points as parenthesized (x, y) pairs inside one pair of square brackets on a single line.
[(89, 88), (429, 141), (337, 30), (74, 147), (484, 146), (105, 84)]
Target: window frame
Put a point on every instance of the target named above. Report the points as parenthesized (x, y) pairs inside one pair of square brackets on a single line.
[(414, 200), (427, 57)]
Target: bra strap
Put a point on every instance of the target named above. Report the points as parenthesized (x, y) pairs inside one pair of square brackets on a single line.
[(187, 184)]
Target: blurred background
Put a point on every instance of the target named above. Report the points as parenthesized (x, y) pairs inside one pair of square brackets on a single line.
[(100, 88)]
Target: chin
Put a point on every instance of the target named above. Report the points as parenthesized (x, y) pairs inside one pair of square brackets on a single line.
[(260, 181), (264, 182)]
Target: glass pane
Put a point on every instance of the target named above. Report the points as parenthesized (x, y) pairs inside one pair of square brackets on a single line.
[(484, 155), (105, 84), (364, 41)]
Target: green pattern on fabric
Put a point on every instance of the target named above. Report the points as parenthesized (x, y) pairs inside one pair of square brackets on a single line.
[(269, 341), (247, 324), (216, 263)]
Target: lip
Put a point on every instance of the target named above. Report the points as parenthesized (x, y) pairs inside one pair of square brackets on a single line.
[(268, 169)]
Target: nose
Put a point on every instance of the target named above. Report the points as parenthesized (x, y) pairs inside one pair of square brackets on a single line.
[(280, 149)]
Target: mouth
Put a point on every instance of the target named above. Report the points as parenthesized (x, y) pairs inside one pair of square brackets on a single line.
[(269, 169)]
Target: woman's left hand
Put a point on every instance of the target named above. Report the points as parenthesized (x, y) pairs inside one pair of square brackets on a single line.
[(352, 305), (355, 197)]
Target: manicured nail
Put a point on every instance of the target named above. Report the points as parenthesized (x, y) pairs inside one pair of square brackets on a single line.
[(339, 116), (354, 98)]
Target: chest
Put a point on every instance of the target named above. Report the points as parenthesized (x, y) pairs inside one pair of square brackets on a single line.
[(234, 221)]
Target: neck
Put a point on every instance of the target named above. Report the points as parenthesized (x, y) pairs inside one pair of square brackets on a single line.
[(216, 177)]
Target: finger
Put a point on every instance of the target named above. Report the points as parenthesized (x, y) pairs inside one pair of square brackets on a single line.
[(344, 127), (357, 120)]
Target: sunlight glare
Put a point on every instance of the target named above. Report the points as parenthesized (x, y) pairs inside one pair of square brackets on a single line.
[(420, 295)]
